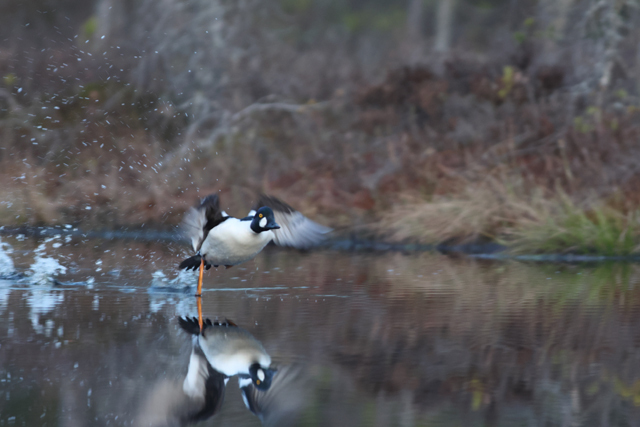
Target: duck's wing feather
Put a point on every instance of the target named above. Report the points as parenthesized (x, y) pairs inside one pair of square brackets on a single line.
[(198, 221), (296, 230), (197, 397), (203, 384)]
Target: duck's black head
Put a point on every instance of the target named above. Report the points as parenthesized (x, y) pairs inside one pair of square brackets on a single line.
[(261, 377), (264, 220)]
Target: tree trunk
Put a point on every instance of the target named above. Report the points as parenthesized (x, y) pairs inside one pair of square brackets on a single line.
[(414, 20), (553, 14), (444, 25)]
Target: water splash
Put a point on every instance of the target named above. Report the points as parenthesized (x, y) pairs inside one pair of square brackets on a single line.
[(175, 295), (5, 292), (42, 301), (7, 269), (45, 269), (183, 282), (173, 305)]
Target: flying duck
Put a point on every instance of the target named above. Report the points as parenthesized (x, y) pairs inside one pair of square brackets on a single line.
[(220, 239), (232, 351)]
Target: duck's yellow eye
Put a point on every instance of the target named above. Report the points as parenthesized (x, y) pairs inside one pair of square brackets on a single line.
[(258, 381), (260, 216)]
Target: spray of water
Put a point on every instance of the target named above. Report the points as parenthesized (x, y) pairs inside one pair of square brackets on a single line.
[(45, 269), (6, 263)]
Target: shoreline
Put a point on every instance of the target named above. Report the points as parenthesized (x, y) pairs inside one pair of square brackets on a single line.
[(481, 251)]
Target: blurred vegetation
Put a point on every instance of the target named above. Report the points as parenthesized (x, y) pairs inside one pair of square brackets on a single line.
[(600, 230), (519, 127)]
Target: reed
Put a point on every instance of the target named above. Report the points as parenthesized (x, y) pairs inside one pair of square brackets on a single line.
[(526, 219), (600, 229)]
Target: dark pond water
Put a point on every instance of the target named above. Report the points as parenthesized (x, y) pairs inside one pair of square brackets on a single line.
[(357, 339)]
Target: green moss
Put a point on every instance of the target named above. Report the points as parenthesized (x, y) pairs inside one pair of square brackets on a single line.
[(384, 21), (582, 125), (508, 81), (9, 79), (519, 37), (295, 6), (89, 27)]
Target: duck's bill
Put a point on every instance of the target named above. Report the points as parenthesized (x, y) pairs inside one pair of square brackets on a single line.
[(272, 226)]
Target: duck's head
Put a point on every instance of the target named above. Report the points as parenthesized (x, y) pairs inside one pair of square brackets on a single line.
[(264, 220), (261, 377)]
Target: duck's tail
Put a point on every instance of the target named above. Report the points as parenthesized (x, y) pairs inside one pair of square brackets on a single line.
[(191, 326), (194, 263)]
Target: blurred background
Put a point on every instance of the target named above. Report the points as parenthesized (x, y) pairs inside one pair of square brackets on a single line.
[(428, 120)]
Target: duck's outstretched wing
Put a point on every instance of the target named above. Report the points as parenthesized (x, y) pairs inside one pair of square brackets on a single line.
[(286, 399), (199, 220), (202, 384), (296, 230)]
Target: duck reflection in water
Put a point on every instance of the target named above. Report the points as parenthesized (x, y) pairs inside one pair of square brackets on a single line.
[(220, 351), (232, 350), (198, 398), (277, 398)]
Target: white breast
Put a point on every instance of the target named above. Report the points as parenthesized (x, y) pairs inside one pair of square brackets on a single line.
[(233, 242), (231, 364), (232, 350)]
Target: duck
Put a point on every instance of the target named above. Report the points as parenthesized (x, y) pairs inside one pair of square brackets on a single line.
[(232, 351), (220, 239)]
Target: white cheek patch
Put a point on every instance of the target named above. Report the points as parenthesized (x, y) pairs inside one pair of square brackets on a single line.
[(263, 222), (261, 375)]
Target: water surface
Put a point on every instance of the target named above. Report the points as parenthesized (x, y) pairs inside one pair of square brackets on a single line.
[(371, 339)]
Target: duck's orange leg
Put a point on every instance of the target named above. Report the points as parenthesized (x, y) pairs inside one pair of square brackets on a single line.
[(199, 301), (199, 291), (199, 294)]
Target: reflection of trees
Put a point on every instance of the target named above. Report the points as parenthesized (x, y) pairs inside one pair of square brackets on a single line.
[(490, 344), (474, 341)]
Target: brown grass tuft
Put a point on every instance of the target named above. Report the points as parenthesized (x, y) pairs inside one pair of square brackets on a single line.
[(485, 210)]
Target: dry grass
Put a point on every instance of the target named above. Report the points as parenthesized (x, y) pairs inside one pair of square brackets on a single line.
[(597, 229), (528, 220), (480, 211)]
